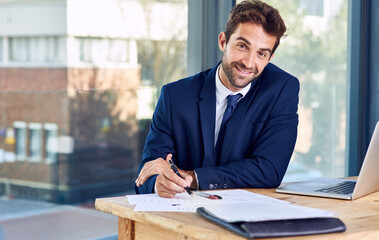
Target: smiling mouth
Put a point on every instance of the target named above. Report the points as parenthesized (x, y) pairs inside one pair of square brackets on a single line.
[(243, 71)]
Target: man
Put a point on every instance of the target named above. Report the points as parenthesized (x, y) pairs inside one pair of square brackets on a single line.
[(252, 148)]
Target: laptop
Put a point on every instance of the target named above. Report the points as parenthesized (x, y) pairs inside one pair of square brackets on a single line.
[(367, 182)]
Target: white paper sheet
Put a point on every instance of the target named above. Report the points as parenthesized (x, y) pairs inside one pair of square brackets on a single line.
[(183, 202), (263, 211), (166, 207)]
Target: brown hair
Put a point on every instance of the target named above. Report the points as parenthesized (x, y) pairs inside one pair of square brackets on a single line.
[(258, 12)]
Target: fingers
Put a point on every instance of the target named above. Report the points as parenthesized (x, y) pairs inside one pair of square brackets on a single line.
[(173, 181), (168, 184), (190, 177), (169, 157), (176, 179), (151, 168), (162, 190), (188, 180)]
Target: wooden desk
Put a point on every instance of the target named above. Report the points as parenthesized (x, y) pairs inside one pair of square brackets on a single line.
[(360, 216)]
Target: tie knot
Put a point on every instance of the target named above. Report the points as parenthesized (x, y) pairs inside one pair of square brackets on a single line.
[(233, 99)]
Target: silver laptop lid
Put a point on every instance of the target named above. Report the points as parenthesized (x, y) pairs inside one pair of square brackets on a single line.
[(368, 179)]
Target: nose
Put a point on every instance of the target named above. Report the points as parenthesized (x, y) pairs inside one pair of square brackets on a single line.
[(249, 61)]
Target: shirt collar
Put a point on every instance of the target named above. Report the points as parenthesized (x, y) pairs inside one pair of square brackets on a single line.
[(222, 92)]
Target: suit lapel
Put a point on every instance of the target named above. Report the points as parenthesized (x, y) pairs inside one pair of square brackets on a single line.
[(235, 121), (207, 108)]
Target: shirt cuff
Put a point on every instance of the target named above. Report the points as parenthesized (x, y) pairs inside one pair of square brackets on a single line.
[(197, 180)]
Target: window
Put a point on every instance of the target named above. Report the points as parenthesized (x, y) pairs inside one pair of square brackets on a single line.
[(51, 142), (78, 92), (315, 51), (35, 142), (80, 104), (1, 49), (36, 49), (20, 144), (103, 50)]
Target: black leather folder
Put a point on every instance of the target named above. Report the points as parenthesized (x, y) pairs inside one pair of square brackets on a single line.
[(278, 228)]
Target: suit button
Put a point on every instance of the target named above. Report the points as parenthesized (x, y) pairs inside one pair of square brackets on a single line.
[(225, 185), (210, 186), (215, 185)]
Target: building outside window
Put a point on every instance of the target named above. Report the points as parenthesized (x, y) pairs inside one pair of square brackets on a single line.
[(72, 90)]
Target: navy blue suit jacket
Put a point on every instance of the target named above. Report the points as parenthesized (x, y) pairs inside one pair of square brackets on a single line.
[(259, 138)]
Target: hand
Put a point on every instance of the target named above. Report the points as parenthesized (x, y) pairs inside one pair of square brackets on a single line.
[(193, 176), (152, 168), (168, 183)]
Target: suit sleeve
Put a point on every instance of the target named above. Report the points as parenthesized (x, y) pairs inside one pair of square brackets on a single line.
[(159, 141), (267, 161)]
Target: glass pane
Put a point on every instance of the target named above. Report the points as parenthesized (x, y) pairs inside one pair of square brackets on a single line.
[(20, 143), (1, 49), (36, 49), (73, 133), (19, 49), (51, 143), (35, 145), (315, 51)]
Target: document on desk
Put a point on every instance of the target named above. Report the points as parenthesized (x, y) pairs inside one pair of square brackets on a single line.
[(183, 202), (263, 211)]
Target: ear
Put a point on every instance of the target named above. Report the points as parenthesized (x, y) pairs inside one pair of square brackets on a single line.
[(221, 41)]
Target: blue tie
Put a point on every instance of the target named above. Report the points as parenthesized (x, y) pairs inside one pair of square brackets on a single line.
[(230, 107)]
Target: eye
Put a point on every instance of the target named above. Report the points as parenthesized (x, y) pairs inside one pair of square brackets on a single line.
[(241, 46), (262, 54)]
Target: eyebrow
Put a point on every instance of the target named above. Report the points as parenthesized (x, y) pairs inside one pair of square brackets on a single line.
[(248, 43)]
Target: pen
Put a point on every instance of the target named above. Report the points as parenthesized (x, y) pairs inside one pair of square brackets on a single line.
[(207, 195), (173, 167)]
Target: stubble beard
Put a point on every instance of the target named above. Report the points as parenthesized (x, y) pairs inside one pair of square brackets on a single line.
[(233, 78)]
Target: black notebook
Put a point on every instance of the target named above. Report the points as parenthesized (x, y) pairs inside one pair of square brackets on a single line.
[(278, 228)]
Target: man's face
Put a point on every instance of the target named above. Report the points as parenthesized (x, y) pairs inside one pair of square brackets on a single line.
[(245, 56)]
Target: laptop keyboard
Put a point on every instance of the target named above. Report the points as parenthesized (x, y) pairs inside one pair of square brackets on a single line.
[(341, 188)]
